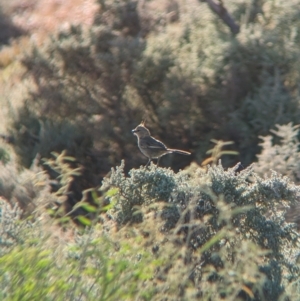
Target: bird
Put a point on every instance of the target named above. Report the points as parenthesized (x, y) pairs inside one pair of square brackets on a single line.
[(151, 147)]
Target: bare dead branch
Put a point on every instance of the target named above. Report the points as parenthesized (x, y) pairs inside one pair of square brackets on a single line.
[(221, 11)]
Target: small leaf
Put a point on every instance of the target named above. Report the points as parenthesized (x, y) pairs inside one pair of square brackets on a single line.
[(247, 290), (229, 153), (215, 239), (207, 161), (109, 206), (68, 158), (88, 207), (111, 192), (227, 143), (55, 154), (83, 220), (64, 219), (95, 197)]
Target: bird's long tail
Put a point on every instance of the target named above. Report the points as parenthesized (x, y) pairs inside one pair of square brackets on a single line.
[(178, 151)]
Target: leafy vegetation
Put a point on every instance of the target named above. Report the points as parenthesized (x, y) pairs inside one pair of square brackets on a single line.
[(93, 85), (216, 234), (75, 224)]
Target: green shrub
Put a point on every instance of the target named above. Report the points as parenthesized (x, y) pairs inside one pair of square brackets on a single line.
[(210, 234), (223, 220), (143, 187), (26, 188), (87, 269), (94, 85), (10, 226), (280, 152), (39, 136)]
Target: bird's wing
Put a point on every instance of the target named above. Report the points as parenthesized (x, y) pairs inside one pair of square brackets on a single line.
[(150, 142)]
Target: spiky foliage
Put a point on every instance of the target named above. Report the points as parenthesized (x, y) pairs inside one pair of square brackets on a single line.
[(219, 214), (280, 152), (10, 227), (26, 188), (210, 234)]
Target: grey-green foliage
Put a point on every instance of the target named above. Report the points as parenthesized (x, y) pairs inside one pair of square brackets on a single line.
[(25, 188), (264, 221), (280, 152), (250, 209), (142, 187), (101, 81), (39, 135), (82, 100), (10, 225), (262, 73), (89, 267)]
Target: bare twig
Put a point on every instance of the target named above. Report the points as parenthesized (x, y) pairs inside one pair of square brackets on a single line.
[(221, 11)]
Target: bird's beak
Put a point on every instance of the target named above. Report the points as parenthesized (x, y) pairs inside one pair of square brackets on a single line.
[(133, 131)]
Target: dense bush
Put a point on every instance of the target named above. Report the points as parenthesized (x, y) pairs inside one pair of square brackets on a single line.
[(280, 152), (225, 217), (134, 64), (88, 268), (26, 188), (213, 234), (8, 29), (154, 234)]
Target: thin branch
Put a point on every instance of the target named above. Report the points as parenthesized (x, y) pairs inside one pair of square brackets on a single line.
[(221, 11)]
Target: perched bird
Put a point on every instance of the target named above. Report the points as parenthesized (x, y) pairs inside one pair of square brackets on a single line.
[(152, 148)]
